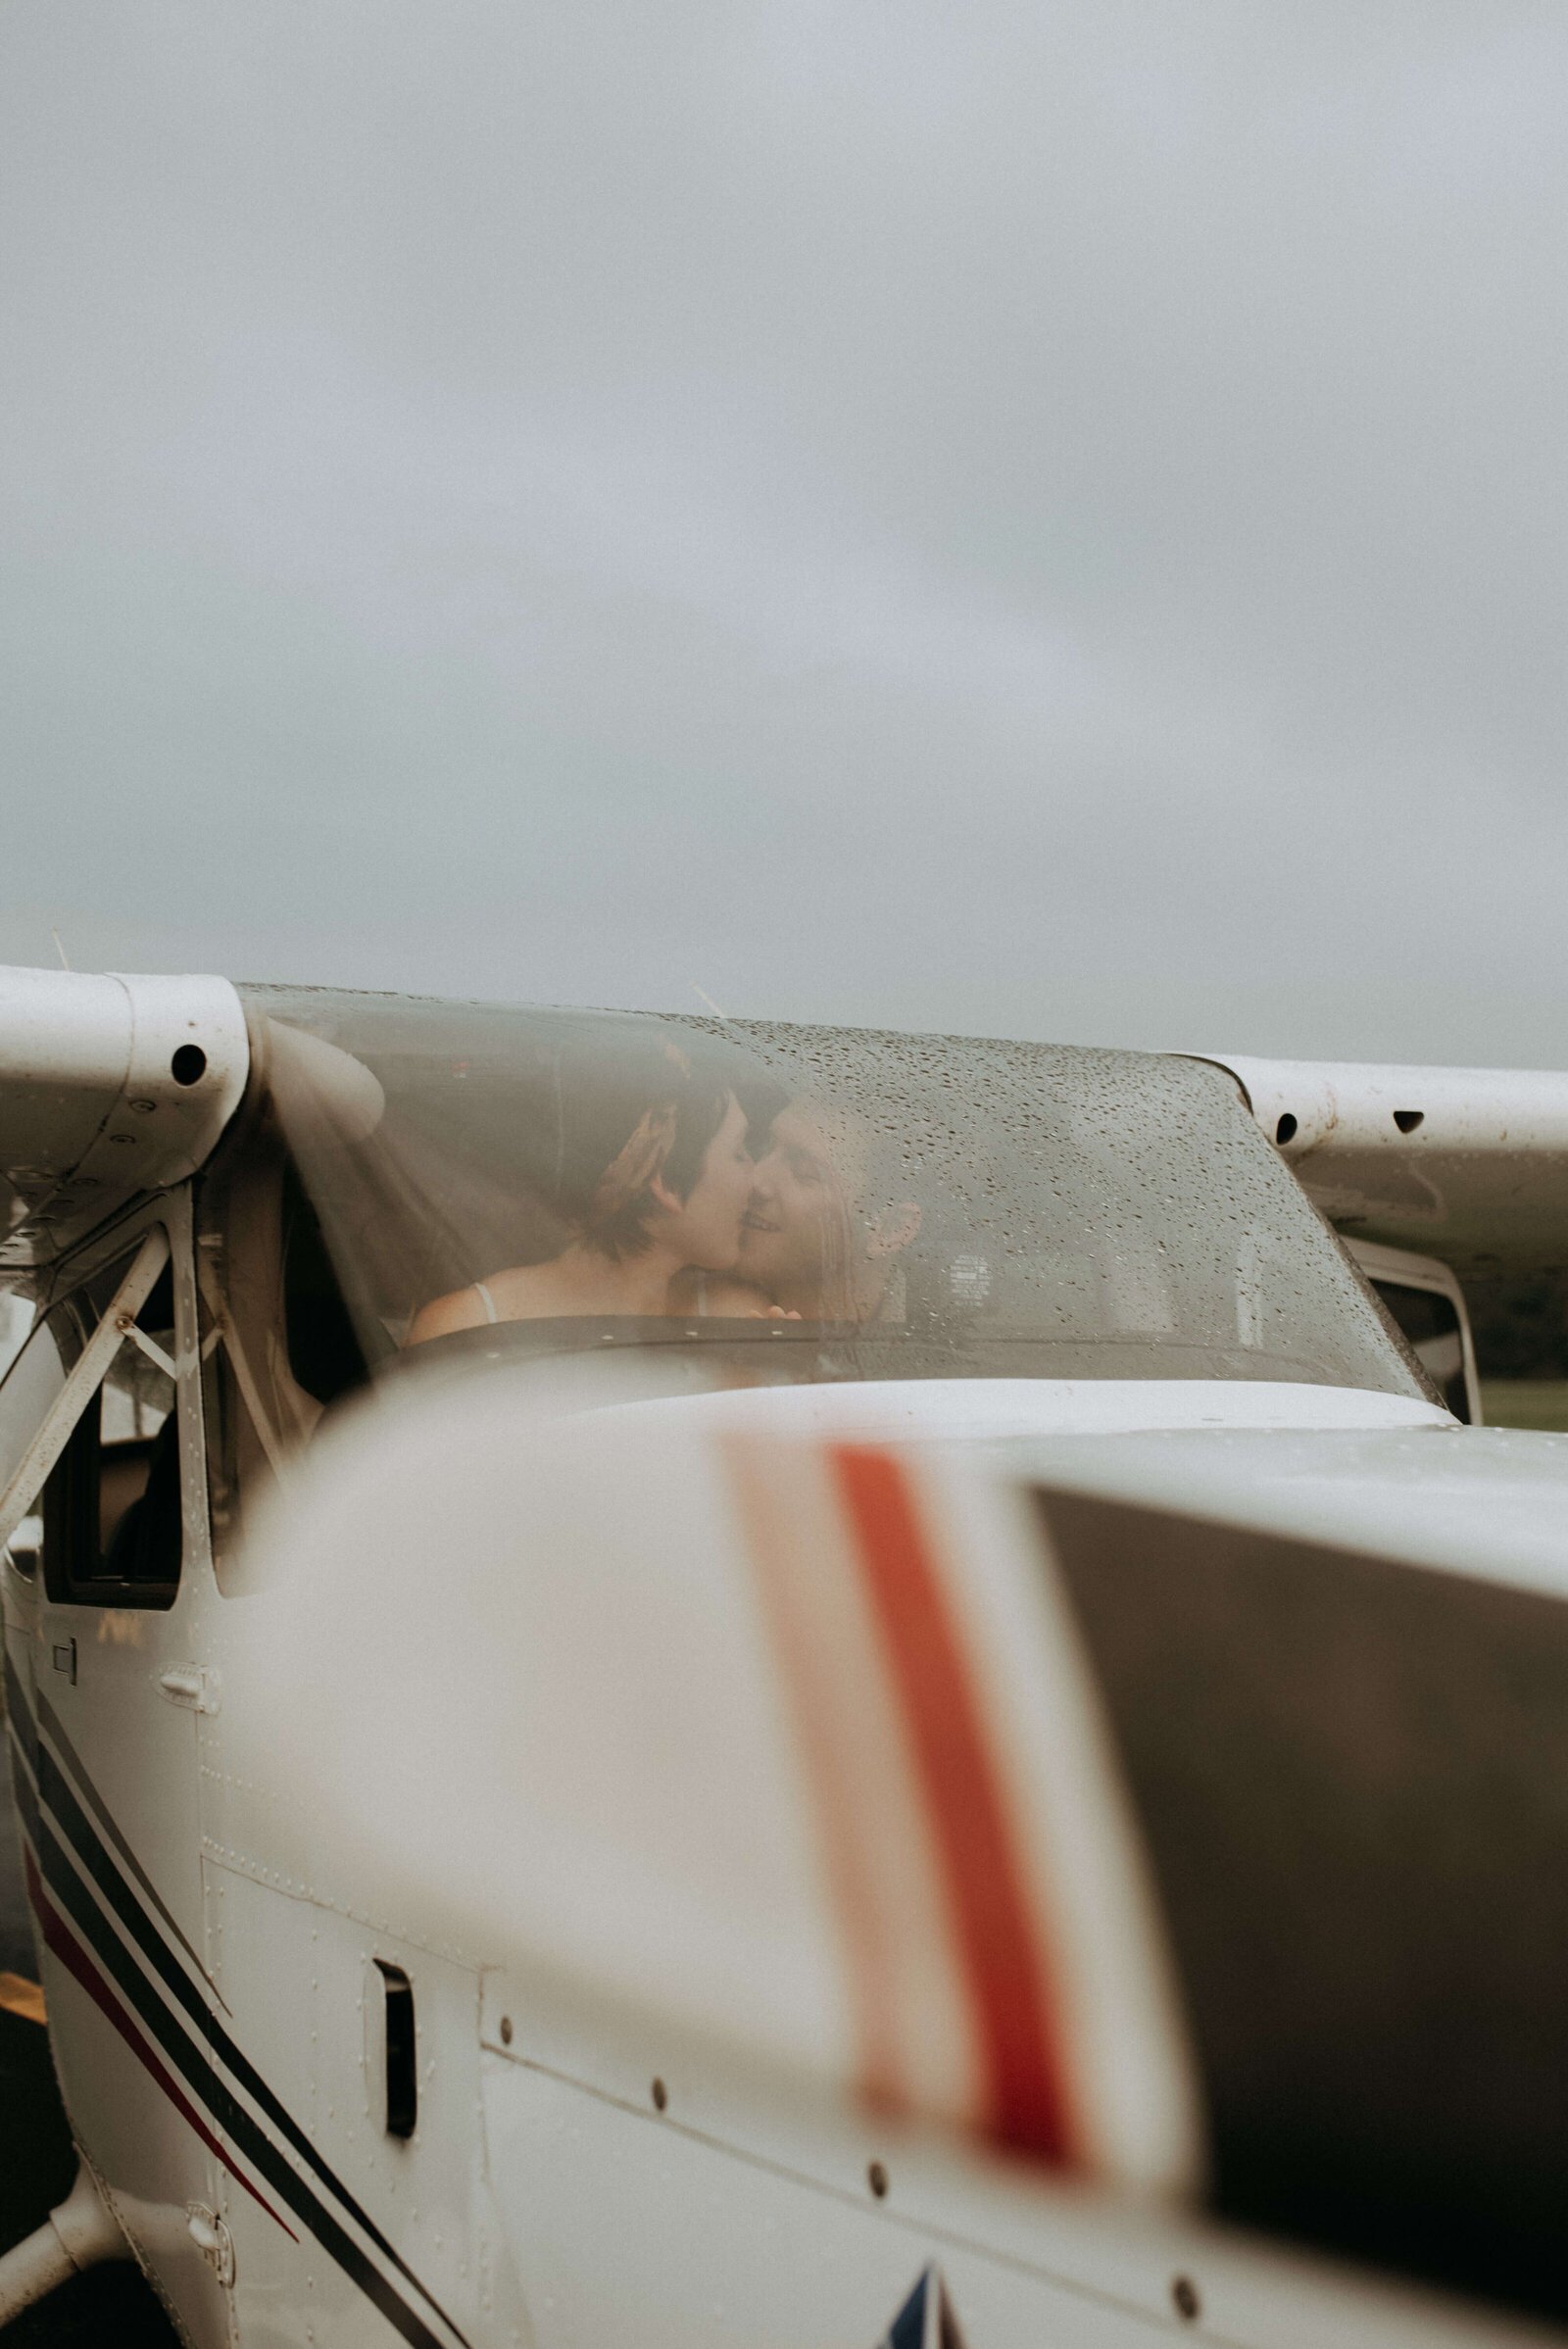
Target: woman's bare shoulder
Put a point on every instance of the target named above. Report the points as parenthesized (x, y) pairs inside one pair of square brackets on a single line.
[(720, 1295), (523, 1293), (461, 1310)]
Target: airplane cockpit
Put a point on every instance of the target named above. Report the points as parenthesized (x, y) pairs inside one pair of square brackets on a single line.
[(711, 1206), (956, 1206), (626, 1207)]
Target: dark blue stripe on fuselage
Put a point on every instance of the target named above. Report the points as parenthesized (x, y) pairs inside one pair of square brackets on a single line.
[(50, 1725), (20, 1712), (176, 2044)]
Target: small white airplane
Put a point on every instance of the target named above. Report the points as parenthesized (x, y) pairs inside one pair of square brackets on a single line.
[(676, 1681)]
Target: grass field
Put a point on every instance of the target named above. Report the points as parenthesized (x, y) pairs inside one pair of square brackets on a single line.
[(1540, 1403)]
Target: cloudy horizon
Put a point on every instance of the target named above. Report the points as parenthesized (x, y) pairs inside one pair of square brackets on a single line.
[(1002, 520)]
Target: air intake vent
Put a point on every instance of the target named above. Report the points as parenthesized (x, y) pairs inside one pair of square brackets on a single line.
[(402, 2078)]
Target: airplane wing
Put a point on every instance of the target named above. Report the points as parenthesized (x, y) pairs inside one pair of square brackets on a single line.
[(1466, 1164), (110, 1087), (114, 1085)]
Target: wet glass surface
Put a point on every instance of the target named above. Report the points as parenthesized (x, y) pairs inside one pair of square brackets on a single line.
[(749, 1204)]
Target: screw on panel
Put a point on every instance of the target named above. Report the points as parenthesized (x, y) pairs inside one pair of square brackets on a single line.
[(1183, 2293), (660, 2095), (876, 2177)]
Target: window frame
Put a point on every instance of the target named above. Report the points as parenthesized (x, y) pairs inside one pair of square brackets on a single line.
[(171, 1215), (72, 1503)]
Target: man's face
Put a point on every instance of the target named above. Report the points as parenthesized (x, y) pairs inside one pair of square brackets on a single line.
[(796, 1231)]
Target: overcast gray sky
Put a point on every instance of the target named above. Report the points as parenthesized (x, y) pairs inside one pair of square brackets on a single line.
[(1029, 518)]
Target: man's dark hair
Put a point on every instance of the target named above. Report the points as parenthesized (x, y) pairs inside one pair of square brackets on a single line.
[(612, 1107)]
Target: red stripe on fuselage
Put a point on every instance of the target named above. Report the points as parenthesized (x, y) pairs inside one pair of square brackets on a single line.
[(1001, 1958), (69, 1950)]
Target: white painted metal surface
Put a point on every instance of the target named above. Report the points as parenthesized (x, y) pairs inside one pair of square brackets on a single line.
[(110, 1086), (801, 2250), (924, 1411), (446, 1584), (561, 1783), (1466, 1164), (1486, 1502)]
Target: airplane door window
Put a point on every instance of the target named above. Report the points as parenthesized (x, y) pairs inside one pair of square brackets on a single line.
[(111, 1518), (1432, 1326), (31, 1388)]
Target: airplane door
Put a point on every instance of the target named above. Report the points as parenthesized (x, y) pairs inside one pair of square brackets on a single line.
[(117, 1684)]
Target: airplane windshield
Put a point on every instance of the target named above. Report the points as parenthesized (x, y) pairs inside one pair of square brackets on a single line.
[(751, 1204)]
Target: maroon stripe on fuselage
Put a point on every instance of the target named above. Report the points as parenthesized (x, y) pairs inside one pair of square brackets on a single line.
[(59, 1938), (1003, 1961)]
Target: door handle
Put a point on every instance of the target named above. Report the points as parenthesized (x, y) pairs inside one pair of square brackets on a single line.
[(190, 1685)]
